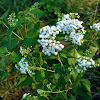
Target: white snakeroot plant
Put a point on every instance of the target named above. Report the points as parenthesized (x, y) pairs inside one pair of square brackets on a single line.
[(72, 28), (95, 26), (84, 63)]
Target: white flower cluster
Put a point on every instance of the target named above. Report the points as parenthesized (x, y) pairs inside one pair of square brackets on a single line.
[(12, 20), (96, 26), (27, 96), (41, 92), (24, 51), (70, 16), (76, 38), (73, 28), (48, 42), (22, 66), (70, 25), (84, 63)]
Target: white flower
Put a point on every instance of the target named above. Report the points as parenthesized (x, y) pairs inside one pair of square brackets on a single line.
[(23, 66), (96, 26), (77, 38), (84, 62), (47, 40)]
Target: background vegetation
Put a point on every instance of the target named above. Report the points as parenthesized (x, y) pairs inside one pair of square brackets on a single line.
[(46, 12)]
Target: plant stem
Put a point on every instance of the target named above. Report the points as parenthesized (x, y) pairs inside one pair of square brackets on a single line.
[(60, 60), (58, 91), (13, 32), (40, 68)]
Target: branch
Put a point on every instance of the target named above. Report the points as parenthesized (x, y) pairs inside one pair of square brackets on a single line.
[(40, 68), (13, 32)]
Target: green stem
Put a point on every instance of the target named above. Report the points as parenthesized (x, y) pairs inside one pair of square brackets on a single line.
[(57, 91), (40, 68), (60, 60), (13, 32)]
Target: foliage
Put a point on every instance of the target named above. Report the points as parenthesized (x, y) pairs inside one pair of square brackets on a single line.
[(57, 76)]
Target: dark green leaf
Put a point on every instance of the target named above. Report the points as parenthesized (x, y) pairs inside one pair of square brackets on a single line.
[(3, 62), (5, 14), (30, 41), (3, 50), (3, 74), (82, 88), (11, 29), (14, 57), (38, 75), (25, 80), (73, 53)]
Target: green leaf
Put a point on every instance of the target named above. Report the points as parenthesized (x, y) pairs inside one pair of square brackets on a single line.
[(38, 75), (11, 29), (71, 97), (73, 53), (43, 73), (9, 33), (3, 74), (14, 43), (3, 50), (5, 14), (25, 80), (14, 57), (86, 84), (37, 25), (82, 88), (40, 61), (3, 62), (0, 22), (63, 55), (30, 41), (30, 33), (93, 51)]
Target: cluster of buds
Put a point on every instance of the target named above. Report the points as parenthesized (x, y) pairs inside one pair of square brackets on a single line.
[(24, 51), (27, 96), (87, 52), (41, 92), (12, 20)]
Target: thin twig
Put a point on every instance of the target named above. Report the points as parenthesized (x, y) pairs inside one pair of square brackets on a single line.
[(40, 68), (58, 91), (13, 32), (60, 60)]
